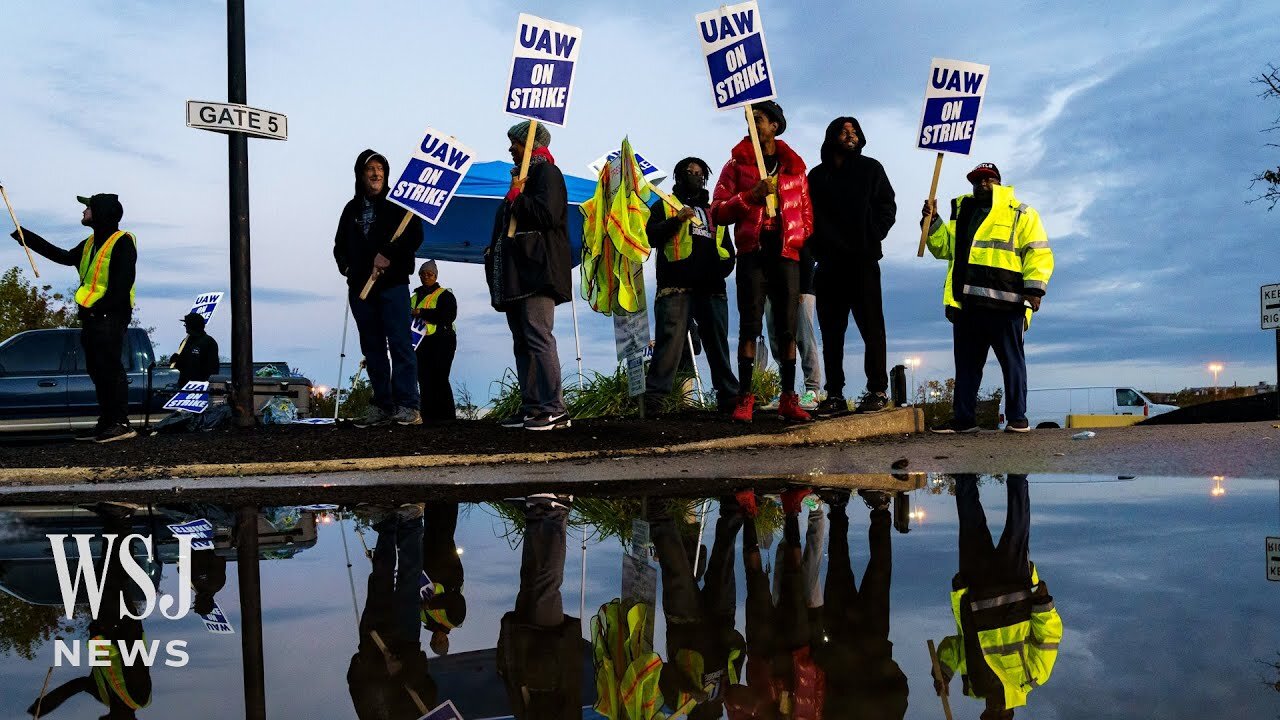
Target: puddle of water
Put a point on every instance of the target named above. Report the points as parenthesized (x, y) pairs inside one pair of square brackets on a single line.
[(1160, 586)]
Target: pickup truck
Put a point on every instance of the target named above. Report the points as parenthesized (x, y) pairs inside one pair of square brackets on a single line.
[(44, 386)]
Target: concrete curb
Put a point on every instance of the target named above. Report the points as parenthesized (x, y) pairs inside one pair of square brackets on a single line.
[(850, 428)]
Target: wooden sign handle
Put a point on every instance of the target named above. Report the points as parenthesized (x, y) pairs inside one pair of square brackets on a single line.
[(673, 203), (933, 657), (373, 276), (933, 195), (21, 238), (770, 200), (524, 168)]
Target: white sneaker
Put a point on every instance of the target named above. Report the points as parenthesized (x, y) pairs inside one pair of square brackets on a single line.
[(809, 400)]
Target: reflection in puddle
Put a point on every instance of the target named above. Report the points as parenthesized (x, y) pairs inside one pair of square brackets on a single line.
[(796, 604)]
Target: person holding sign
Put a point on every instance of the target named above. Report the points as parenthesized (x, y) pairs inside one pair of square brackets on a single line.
[(693, 262), (999, 264), (197, 360), (528, 275), (435, 308), (107, 262), (362, 246), (768, 249), (853, 210)]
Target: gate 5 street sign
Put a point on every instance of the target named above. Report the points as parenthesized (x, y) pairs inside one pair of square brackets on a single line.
[(1270, 307), (229, 118)]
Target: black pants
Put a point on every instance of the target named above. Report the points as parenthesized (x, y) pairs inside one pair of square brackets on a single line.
[(854, 289), (435, 361), (102, 337), (539, 601), (766, 274), (852, 611), (672, 312), (975, 332), (982, 561)]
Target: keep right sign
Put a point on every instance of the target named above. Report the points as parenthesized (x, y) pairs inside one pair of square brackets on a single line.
[(1270, 307), (952, 99), (1273, 558)]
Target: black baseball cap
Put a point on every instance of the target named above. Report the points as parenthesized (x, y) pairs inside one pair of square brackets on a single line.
[(774, 111), (984, 170)]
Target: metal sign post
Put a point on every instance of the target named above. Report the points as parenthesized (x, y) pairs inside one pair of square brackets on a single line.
[(1269, 304)]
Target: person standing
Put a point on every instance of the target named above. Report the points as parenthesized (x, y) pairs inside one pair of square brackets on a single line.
[(197, 358), (362, 246), (998, 269), (107, 263), (437, 308), (853, 210), (693, 262), (768, 250), (528, 275)]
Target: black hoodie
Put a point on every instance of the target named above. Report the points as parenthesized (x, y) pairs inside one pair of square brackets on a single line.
[(853, 204), (354, 252), (107, 213)]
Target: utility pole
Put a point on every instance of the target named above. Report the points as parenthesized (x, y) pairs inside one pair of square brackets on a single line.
[(238, 186)]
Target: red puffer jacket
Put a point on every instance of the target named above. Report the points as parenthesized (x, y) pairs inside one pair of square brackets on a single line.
[(732, 203)]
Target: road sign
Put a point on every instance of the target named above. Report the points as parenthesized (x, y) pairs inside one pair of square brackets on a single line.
[(1273, 558), (235, 118), (1270, 302)]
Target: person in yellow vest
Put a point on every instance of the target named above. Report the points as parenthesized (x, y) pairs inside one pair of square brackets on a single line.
[(1008, 629), (436, 307), (998, 270), (107, 264), (693, 262)]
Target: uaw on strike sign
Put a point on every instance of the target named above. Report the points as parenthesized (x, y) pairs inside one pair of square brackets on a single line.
[(432, 175), (542, 69), (952, 100), (737, 58)]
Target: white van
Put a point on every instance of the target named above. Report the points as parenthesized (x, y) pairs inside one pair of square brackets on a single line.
[(1049, 408)]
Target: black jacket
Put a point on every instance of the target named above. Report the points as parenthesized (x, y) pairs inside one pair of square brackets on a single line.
[(354, 252), (853, 204), (198, 359), (443, 314), (703, 270), (537, 260), (124, 258)]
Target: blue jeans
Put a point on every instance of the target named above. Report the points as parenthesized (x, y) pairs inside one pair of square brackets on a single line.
[(806, 342), (671, 327), (975, 332), (383, 323)]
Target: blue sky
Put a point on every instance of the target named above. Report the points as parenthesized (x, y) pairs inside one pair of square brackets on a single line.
[(1132, 128)]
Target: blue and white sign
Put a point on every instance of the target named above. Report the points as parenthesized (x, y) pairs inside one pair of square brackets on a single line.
[(193, 398), (737, 57), (417, 331), (651, 172), (542, 70), (216, 621), (443, 711), (205, 304), (201, 532), (952, 100), (432, 176)]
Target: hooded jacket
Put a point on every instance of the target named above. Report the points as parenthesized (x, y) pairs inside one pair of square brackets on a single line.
[(537, 260), (703, 270), (853, 203), (354, 252), (731, 203), (198, 359), (122, 270)]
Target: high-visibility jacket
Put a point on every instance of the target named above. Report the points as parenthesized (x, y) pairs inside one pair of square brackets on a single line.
[(682, 247), (1010, 253), (95, 268), (428, 302), (110, 679), (1018, 631), (615, 242)]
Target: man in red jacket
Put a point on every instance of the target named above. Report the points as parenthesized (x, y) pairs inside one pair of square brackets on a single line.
[(768, 249)]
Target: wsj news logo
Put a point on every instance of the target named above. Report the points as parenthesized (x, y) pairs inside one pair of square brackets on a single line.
[(102, 651)]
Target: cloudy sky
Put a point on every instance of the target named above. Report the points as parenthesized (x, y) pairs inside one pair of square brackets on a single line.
[(1133, 128)]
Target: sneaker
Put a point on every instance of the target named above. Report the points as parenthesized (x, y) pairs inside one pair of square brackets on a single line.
[(809, 401), (407, 416), (743, 410), (873, 403), (112, 433), (1017, 426), (548, 421), (552, 500), (951, 427), (92, 434), (832, 407), (374, 417), (513, 421), (747, 501), (789, 409), (792, 498), (875, 499)]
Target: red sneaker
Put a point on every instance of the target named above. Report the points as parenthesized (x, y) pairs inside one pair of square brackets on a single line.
[(747, 501), (743, 410), (789, 408), (792, 498)]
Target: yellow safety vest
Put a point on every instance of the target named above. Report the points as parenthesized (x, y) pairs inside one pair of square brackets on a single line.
[(1010, 253), (95, 269), (1021, 654), (682, 247), (428, 303), (110, 679)]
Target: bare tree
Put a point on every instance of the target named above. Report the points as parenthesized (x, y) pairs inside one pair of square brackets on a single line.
[(1270, 178)]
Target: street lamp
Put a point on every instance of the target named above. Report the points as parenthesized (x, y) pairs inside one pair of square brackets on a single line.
[(913, 363), (1218, 490), (1215, 368)]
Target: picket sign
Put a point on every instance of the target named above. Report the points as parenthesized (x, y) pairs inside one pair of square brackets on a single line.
[(949, 120)]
